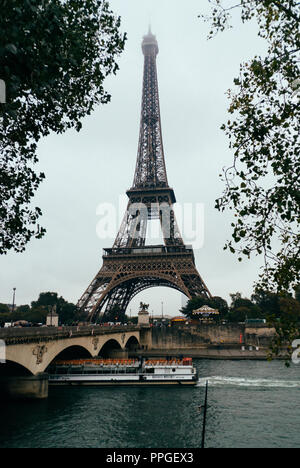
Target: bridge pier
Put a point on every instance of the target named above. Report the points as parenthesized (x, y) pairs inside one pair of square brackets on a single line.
[(31, 387), (146, 338)]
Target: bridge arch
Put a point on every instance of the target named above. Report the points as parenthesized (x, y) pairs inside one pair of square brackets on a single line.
[(127, 285), (64, 349), (14, 369), (109, 346), (73, 352), (132, 343), (149, 280)]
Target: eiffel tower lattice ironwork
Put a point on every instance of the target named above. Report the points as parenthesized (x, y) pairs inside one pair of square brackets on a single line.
[(130, 266)]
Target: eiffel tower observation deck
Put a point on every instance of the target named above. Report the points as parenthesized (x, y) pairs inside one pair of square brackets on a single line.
[(130, 266)]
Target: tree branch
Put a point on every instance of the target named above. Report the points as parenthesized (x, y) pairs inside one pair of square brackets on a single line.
[(286, 10)]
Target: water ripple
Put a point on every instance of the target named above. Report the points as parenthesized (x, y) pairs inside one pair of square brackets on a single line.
[(215, 381)]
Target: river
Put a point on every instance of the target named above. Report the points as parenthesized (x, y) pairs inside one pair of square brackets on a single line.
[(251, 404)]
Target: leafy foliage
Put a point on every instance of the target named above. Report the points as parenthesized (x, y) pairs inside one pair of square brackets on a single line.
[(54, 57), (48, 300), (4, 309), (262, 186), (287, 327), (277, 309), (38, 311), (242, 309), (297, 292), (199, 301)]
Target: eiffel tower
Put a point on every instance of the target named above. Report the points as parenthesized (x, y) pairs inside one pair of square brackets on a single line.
[(130, 266)]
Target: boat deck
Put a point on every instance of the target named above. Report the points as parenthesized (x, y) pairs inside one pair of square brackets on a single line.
[(122, 372)]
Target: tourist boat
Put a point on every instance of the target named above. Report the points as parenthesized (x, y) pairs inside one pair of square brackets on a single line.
[(123, 372)]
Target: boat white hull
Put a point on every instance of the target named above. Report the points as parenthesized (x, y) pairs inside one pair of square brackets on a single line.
[(118, 380), (124, 383), (104, 372)]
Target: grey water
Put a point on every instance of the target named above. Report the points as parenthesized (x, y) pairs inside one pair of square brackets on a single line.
[(251, 404)]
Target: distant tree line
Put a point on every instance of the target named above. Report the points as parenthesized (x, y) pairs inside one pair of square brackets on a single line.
[(281, 311), (68, 313), (38, 310), (262, 305), (275, 308)]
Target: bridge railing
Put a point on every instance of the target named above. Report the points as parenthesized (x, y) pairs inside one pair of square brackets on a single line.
[(61, 332)]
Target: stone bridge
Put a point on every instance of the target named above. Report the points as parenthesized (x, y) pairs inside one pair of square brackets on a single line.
[(28, 352)]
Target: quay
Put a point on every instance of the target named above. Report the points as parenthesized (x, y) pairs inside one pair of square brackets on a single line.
[(217, 353)]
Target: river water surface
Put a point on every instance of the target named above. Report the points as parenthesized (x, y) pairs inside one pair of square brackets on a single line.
[(251, 404)]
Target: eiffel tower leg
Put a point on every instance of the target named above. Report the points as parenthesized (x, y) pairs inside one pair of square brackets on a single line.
[(196, 286), (91, 296), (120, 296)]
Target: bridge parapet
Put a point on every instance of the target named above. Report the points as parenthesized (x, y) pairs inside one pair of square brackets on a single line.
[(13, 336)]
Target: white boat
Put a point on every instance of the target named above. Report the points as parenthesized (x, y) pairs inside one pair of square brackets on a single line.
[(123, 372)]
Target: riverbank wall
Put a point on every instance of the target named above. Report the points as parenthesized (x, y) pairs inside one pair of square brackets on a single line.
[(207, 335), (212, 341)]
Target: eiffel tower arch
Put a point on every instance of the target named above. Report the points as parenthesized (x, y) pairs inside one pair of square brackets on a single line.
[(130, 266)]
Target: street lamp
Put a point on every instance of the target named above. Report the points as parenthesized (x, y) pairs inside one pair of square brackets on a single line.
[(13, 304)]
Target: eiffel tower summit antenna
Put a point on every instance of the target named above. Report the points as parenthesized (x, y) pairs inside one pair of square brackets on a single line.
[(130, 266)]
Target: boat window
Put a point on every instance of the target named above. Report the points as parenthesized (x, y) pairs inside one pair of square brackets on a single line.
[(77, 371), (150, 371), (173, 370)]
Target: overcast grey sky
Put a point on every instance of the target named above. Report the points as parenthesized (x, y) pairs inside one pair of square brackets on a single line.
[(97, 165)]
